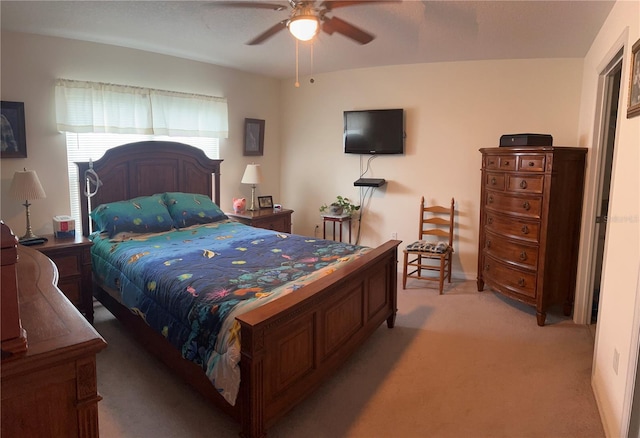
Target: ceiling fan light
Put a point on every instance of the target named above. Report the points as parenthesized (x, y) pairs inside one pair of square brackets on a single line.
[(304, 27)]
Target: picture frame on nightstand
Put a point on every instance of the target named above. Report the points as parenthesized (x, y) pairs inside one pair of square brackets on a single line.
[(265, 202)]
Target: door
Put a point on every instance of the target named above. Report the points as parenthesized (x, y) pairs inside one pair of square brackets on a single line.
[(610, 116)]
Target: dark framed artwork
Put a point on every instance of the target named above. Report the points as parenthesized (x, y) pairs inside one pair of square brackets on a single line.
[(14, 141), (265, 202), (253, 137), (633, 109)]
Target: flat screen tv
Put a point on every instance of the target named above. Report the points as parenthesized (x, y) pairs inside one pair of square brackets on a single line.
[(374, 132)]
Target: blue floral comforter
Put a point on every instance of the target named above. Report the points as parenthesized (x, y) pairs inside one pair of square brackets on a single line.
[(189, 284)]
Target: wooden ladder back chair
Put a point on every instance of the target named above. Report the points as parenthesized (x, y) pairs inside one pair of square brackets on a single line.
[(434, 248)]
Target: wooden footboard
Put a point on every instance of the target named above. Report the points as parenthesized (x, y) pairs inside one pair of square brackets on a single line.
[(292, 344)]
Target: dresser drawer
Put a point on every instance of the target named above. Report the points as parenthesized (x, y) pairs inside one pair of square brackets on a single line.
[(500, 162), (530, 207), (494, 181), (273, 223), (68, 264), (510, 252), (528, 231), (525, 184), (531, 163), (72, 287), (513, 280)]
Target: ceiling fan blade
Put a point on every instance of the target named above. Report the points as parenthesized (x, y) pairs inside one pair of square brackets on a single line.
[(268, 33), (254, 5), (334, 24), (329, 5)]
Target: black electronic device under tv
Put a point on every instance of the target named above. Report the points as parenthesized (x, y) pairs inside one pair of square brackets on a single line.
[(374, 132)]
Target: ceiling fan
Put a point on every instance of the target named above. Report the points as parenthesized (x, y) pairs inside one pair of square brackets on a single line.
[(306, 19)]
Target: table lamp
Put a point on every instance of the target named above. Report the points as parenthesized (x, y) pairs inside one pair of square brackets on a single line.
[(252, 175), (26, 185)]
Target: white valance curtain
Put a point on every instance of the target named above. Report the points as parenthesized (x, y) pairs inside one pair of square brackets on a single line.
[(107, 108)]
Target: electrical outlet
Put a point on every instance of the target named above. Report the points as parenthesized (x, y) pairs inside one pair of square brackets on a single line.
[(394, 236), (616, 360)]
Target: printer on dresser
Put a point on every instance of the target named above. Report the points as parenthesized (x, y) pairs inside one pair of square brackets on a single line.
[(530, 215)]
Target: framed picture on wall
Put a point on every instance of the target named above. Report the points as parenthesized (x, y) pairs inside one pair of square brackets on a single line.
[(253, 137), (14, 141), (633, 109)]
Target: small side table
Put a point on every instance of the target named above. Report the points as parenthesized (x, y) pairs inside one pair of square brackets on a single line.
[(336, 219), (72, 256)]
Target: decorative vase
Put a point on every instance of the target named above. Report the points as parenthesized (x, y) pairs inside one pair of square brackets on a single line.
[(335, 210)]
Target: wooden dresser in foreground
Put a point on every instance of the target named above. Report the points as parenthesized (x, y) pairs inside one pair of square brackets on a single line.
[(530, 215), (49, 390)]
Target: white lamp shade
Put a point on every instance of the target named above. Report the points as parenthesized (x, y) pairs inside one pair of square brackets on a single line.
[(303, 27), (26, 185), (252, 174)]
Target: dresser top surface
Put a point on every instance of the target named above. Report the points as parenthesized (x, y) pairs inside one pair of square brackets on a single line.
[(54, 327), (532, 149)]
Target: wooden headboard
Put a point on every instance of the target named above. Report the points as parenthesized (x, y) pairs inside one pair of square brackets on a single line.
[(149, 167)]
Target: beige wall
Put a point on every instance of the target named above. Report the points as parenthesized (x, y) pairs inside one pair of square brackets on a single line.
[(30, 65), (618, 317), (452, 110)]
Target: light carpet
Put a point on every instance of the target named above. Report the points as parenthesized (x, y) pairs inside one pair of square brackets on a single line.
[(461, 364)]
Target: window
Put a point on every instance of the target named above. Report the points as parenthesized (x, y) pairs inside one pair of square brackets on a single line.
[(92, 146), (98, 116)]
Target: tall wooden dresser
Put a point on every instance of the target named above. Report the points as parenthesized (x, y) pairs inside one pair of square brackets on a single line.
[(530, 215), (49, 389)]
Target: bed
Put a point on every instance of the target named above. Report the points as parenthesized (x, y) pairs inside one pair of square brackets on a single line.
[(287, 346)]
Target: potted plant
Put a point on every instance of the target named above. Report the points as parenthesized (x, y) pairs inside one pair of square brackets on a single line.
[(341, 206)]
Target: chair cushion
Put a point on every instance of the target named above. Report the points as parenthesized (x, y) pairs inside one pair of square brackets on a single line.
[(424, 246)]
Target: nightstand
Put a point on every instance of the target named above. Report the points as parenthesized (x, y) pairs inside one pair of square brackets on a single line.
[(72, 256), (277, 220)]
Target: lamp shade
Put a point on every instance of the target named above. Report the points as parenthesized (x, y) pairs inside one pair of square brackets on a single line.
[(303, 27), (252, 174), (26, 185)]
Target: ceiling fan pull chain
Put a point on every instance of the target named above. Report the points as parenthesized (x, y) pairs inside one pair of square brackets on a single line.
[(297, 83), (312, 80)]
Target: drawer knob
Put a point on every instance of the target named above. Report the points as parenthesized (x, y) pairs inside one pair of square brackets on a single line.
[(493, 181), (490, 220), (523, 184), (489, 243), (526, 205), (506, 163), (525, 229), (523, 255), (486, 267), (491, 162), (531, 164), (490, 200), (521, 282)]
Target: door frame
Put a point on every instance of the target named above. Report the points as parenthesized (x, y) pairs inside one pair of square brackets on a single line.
[(584, 290), (583, 302)]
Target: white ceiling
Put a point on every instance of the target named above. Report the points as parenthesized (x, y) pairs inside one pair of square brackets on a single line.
[(406, 32)]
